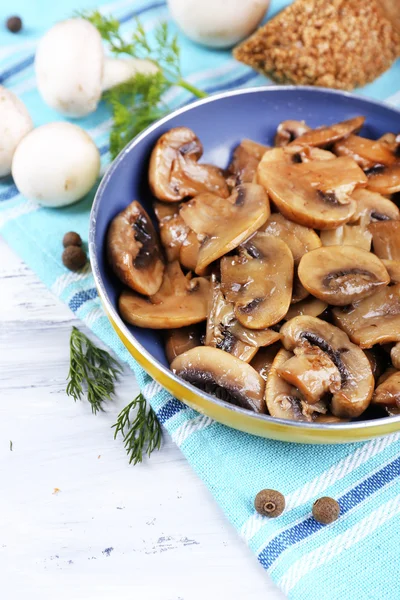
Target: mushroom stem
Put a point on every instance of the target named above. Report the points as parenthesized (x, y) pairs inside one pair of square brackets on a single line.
[(120, 70)]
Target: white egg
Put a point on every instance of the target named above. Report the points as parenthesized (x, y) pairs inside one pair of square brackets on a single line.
[(218, 23), (56, 164)]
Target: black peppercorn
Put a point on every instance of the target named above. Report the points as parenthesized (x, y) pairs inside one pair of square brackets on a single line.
[(74, 258), (325, 510), (269, 503), (14, 24), (72, 239)]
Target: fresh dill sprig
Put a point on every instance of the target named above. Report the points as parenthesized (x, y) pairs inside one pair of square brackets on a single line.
[(91, 369), (137, 103), (143, 434)]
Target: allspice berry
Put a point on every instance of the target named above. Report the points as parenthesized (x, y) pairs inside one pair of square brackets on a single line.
[(14, 24), (325, 510), (269, 503), (72, 239), (74, 258)]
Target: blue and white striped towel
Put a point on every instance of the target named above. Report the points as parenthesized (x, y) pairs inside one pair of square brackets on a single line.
[(354, 558)]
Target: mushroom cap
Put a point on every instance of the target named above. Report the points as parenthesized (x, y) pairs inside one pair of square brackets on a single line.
[(373, 320), (134, 251), (222, 375), (386, 239), (224, 223), (387, 392), (259, 282), (174, 173), (69, 65), (178, 341), (15, 124), (315, 194), (56, 164), (325, 136), (283, 400), (371, 207), (300, 240), (340, 275), (244, 163), (357, 382), (347, 235), (179, 302)]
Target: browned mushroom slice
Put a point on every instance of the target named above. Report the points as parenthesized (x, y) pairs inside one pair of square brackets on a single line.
[(174, 172), (133, 250), (311, 372), (180, 301), (262, 361), (223, 224), (367, 153), (304, 154), (387, 393), (395, 356), (178, 341), (313, 307), (373, 207), (386, 239), (393, 268), (315, 194), (283, 400), (329, 419), (244, 163), (357, 382), (288, 131), (224, 331), (347, 235), (222, 375), (377, 361), (299, 239), (173, 229), (325, 136), (340, 275), (374, 320), (391, 139), (259, 281)]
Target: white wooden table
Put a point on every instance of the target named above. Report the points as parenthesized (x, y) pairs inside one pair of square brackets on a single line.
[(112, 531)]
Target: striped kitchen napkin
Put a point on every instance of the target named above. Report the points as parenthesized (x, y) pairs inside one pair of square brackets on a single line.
[(354, 558)]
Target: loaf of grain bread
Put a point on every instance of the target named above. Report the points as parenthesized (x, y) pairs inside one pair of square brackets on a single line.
[(332, 43)]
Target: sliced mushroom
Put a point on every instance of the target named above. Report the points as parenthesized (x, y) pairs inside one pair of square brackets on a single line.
[(288, 131), (259, 281), (393, 268), (283, 400), (377, 361), (224, 331), (223, 224), (312, 372), (310, 306), (347, 235), (133, 250), (387, 393), (325, 136), (174, 172), (305, 154), (386, 239), (374, 320), (299, 239), (179, 241), (395, 356), (222, 375), (262, 361), (180, 301), (380, 161), (244, 163), (391, 139), (371, 207), (178, 341), (340, 275), (357, 382), (315, 194)]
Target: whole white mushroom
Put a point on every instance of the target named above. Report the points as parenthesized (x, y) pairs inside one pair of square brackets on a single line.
[(56, 164), (15, 123), (218, 23), (72, 71)]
